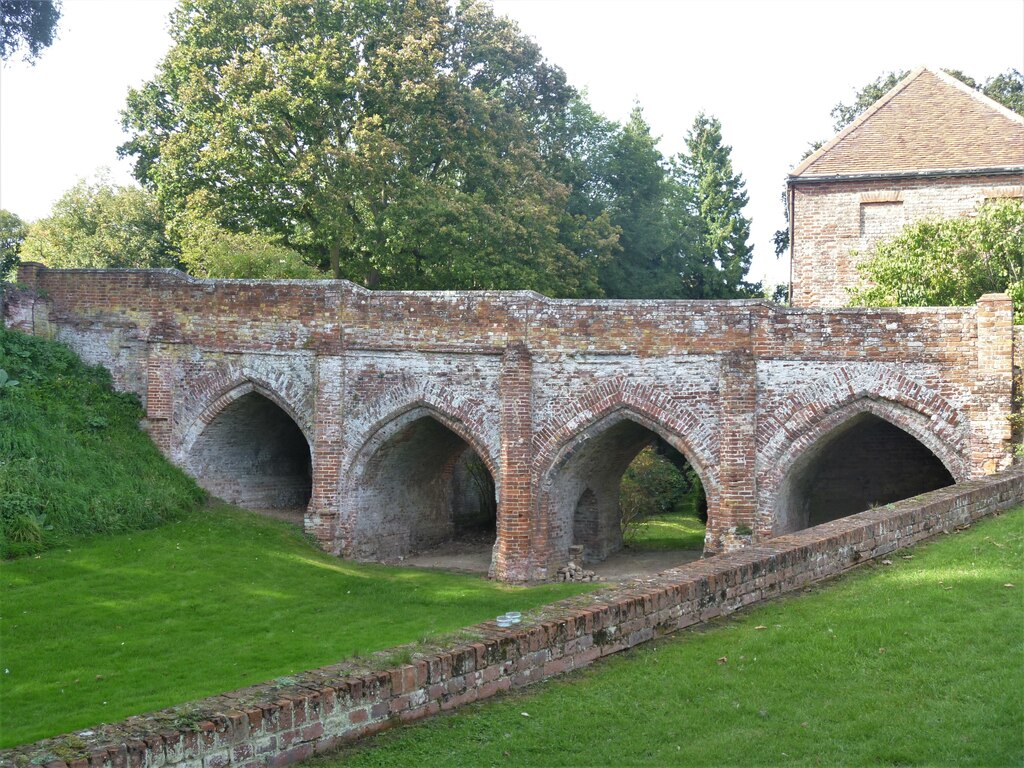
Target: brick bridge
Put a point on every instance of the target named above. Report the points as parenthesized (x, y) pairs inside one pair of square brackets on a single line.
[(385, 414)]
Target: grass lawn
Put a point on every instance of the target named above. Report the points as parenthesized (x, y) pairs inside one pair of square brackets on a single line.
[(120, 625), (920, 662), (672, 530)]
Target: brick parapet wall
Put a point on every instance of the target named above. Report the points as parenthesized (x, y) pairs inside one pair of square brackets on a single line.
[(326, 316), (828, 243), (281, 724)]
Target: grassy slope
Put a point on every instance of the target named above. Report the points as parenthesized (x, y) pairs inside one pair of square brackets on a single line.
[(124, 624), (72, 459), (916, 663)]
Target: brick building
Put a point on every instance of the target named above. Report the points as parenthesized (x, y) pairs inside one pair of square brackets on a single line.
[(930, 148)]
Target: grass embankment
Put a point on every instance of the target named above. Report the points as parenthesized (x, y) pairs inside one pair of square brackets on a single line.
[(916, 663), (72, 459), (218, 600)]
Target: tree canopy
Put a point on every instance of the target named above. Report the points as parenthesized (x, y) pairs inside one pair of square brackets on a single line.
[(99, 224), (402, 144), (27, 25), (949, 261)]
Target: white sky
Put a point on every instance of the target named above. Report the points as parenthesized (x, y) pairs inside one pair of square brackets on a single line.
[(770, 71)]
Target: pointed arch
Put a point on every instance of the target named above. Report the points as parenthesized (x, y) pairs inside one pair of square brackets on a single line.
[(248, 448), (802, 411), (421, 476), (228, 392), (587, 470), (386, 427), (779, 472), (462, 411), (648, 405)]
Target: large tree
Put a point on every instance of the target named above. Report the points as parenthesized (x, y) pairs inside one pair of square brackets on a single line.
[(98, 225), (643, 202), (404, 144), (28, 25), (949, 261), (722, 252)]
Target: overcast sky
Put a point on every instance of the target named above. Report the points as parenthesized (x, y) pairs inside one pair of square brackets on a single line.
[(770, 71)]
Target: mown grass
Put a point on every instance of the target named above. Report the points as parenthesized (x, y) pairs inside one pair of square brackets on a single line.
[(920, 662), (670, 530), (120, 625), (72, 458)]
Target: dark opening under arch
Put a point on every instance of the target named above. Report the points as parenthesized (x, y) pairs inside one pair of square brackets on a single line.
[(865, 462), (423, 486), (253, 454)]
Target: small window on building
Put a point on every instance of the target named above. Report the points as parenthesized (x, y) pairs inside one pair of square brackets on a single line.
[(879, 221)]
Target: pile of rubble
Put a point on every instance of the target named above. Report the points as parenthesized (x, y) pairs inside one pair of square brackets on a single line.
[(574, 572)]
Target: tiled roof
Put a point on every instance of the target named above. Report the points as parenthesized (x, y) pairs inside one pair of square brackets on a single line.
[(929, 122)]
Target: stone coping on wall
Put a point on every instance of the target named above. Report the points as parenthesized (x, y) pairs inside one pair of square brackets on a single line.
[(285, 721)]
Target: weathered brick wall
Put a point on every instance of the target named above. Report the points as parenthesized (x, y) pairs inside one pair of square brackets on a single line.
[(391, 389), (833, 220), (282, 724)]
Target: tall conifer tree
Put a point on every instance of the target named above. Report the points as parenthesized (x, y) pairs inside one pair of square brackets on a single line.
[(719, 196)]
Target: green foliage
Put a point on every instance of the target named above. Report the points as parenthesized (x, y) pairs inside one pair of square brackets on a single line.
[(168, 615), (682, 233), (209, 251), (949, 261), (914, 663), (98, 225), (659, 501), (722, 254), (402, 145), (29, 25), (654, 485), (638, 195), (72, 458), (12, 234), (1007, 89)]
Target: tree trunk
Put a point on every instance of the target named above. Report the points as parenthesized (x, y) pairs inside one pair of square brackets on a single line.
[(336, 260)]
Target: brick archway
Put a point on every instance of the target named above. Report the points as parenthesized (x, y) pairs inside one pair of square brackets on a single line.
[(248, 447), (942, 426), (918, 424), (227, 393), (421, 452), (677, 425), (598, 413)]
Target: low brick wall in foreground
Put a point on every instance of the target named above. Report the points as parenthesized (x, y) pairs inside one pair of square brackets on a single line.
[(276, 724)]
